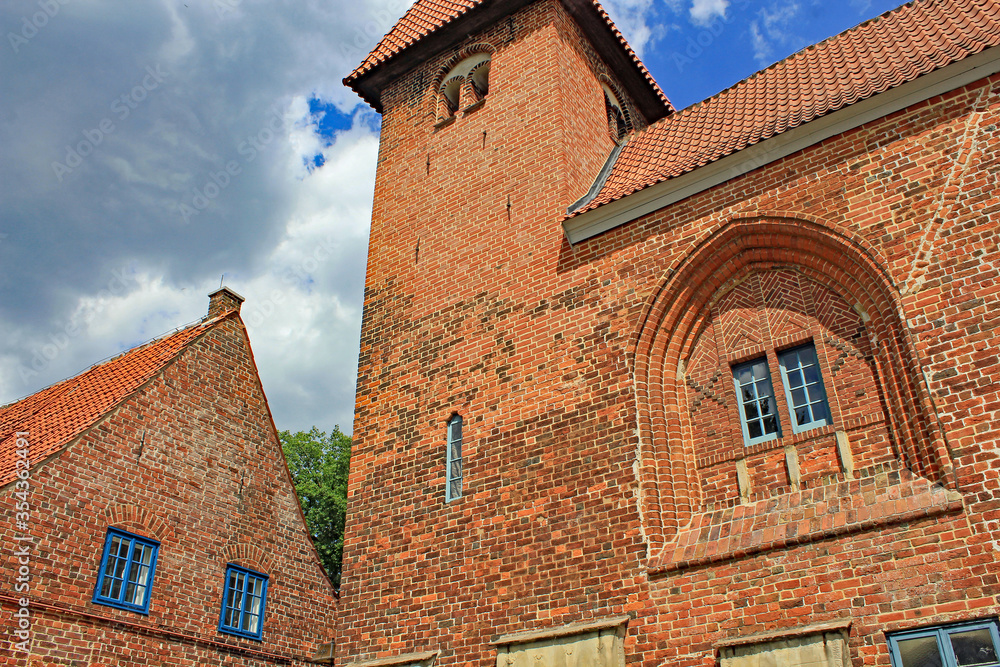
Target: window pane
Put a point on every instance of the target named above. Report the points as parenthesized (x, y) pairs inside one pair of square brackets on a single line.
[(798, 397), (920, 652), (748, 394), (750, 410), (744, 376), (794, 378), (753, 428), (766, 407), (812, 374), (770, 425), (760, 370), (801, 416), (974, 647)]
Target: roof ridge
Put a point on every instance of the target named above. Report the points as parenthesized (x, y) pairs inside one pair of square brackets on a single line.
[(804, 49), (112, 357), (896, 47), (57, 415)]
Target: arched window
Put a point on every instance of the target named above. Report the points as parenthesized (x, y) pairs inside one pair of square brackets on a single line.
[(464, 85), (480, 80), (451, 95), (618, 125), (772, 367)]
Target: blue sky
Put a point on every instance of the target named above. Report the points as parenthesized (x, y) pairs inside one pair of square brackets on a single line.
[(152, 147)]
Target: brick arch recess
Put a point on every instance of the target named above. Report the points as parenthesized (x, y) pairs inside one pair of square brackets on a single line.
[(679, 310)]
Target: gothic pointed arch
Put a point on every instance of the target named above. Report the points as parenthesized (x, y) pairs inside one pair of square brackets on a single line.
[(709, 296)]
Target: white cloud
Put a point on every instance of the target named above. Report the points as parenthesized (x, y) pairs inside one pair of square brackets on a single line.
[(636, 20), (773, 27), (101, 259), (703, 12)]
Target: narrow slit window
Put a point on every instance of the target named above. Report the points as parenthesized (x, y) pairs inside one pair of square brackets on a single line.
[(758, 411), (804, 388), (453, 487)]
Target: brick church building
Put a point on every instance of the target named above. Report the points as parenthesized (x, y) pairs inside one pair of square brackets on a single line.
[(648, 386), (149, 517)]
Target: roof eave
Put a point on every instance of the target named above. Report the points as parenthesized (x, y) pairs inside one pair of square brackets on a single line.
[(605, 217), (646, 95)]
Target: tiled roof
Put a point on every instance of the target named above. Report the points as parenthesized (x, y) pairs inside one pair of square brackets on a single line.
[(877, 55), (427, 16), (55, 415)]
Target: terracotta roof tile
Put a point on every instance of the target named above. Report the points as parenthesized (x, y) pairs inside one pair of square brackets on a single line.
[(420, 20), (877, 55), (56, 415), (427, 16)]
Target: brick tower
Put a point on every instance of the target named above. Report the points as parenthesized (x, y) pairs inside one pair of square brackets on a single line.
[(652, 387), (464, 308)]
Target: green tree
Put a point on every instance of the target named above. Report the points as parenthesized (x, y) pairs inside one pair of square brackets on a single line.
[(319, 465)]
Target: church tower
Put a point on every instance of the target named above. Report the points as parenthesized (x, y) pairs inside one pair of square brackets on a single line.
[(714, 387), (496, 117)]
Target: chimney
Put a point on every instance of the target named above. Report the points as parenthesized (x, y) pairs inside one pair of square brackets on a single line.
[(223, 300)]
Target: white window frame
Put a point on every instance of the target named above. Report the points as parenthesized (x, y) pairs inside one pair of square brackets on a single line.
[(783, 362), (942, 633), (765, 437)]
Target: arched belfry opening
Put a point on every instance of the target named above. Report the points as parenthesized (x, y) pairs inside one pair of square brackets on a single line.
[(619, 125), (464, 82)]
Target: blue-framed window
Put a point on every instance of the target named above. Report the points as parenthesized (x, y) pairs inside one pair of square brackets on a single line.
[(243, 602), (964, 645), (126, 574), (758, 410), (453, 484), (804, 388)]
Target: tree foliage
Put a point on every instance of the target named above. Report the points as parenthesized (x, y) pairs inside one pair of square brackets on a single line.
[(319, 465)]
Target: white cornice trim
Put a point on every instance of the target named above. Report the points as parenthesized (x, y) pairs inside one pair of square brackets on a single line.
[(622, 211)]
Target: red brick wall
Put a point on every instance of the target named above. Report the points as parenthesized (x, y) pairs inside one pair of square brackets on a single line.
[(192, 461), (583, 497)]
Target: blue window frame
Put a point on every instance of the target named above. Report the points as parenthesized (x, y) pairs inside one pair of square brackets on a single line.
[(453, 484), (758, 411), (804, 388), (126, 574), (964, 645), (243, 602)]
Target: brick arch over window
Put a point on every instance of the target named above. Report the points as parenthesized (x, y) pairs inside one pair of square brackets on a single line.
[(681, 310), (462, 80), (248, 555), (137, 520), (620, 122)]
